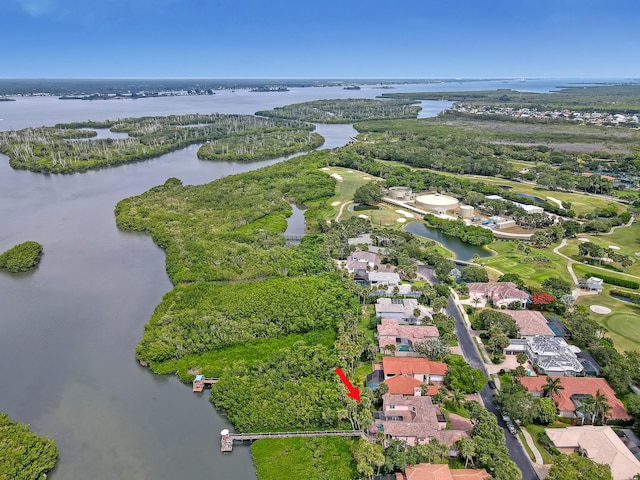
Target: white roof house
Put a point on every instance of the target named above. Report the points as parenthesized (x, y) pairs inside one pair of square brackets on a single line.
[(595, 284), (400, 309), (553, 356), (375, 278)]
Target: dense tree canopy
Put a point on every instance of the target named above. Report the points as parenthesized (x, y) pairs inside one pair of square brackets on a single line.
[(23, 454), (577, 467), (21, 258)]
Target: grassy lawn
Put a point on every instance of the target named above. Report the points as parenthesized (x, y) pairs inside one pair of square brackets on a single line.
[(592, 270), (527, 449), (627, 239), (622, 324), (534, 430), (322, 458), (346, 185), (507, 260)]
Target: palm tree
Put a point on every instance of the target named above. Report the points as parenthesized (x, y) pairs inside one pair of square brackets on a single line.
[(553, 386), (587, 408), (467, 450), (475, 301), (600, 406), (521, 358), (457, 397)]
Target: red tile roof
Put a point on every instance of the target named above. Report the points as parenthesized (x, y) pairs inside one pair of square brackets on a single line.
[(427, 471), (579, 385), (403, 384), (411, 366)]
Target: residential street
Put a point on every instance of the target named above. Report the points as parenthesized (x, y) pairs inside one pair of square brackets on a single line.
[(471, 355)]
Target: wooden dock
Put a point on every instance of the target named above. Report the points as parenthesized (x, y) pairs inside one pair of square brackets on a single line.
[(200, 382), (228, 438)]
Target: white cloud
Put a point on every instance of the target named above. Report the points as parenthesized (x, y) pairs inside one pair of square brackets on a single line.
[(88, 11)]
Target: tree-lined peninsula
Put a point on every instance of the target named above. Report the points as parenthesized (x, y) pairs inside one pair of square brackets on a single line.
[(345, 110)]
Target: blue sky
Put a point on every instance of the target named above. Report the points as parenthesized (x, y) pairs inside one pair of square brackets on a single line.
[(321, 39)]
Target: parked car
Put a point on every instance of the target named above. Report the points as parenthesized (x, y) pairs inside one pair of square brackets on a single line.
[(492, 384)]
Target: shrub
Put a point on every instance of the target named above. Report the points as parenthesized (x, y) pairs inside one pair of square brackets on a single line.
[(620, 282)]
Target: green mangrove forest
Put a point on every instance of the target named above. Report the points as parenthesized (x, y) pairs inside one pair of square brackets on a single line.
[(68, 148), (345, 110), (23, 454), (22, 257)]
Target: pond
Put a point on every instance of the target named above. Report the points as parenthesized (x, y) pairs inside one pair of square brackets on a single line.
[(461, 250), (535, 199), (362, 208)]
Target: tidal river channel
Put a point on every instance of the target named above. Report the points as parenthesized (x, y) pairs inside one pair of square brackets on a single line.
[(68, 330)]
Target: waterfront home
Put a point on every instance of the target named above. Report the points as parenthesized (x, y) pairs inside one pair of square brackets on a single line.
[(403, 337), (575, 389), (600, 444), (553, 356), (499, 293), (422, 369), (428, 471), (412, 419), (400, 309)]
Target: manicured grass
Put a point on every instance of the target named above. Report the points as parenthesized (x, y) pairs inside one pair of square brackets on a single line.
[(592, 271), (622, 324), (534, 430), (627, 238), (507, 260), (526, 447), (321, 458), (345, 188)]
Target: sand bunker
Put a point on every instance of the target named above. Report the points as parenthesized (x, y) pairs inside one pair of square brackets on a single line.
[(363, 216), (335, 204), (405, 213), (325, 168), (613, 247), (349, 171), (583, 240), (366, 178), (600, 309), (336, 176), (401, 220)]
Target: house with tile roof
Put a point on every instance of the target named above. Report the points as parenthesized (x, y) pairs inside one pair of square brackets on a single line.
[(422, 369), (575, 390), (553, 356), (412, 419), (428, 471), (499, 293), (390, 332), (600, 444), (530, 323)]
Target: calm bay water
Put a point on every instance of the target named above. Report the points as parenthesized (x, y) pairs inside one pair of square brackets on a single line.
[(68, 330)]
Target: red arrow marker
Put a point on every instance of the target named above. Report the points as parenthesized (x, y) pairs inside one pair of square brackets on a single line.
[(354, 392)]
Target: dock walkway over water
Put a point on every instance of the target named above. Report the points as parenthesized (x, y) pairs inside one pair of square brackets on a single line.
[(228, 438), (200, 382)]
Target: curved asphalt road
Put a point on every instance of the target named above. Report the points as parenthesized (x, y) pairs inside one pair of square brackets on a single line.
[(471, 355)]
